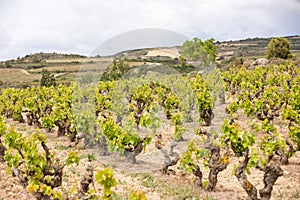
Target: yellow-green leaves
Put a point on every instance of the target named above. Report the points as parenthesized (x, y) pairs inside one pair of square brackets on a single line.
[(106, 179), (73, 158), (239, 140), (137, 195)]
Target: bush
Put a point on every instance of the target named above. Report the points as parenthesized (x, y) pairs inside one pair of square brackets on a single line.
[(279, 48), (7, 64), (47, 79), (118, 69), (198, 50)]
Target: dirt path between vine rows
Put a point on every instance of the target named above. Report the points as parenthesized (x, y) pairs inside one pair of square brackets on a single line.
[(148, 165), (228, 187), (153, 159)]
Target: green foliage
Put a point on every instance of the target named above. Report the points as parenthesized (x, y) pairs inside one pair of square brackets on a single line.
[(279, 48), (269, 144), (137, 195), (267, 93), (233, 107), (38, 170), (30, 156), (106, 179), (214, 83), (91, 157), (182, 61), (198, 50), (204, 101), (83, 113), (7, 64), (208, 197), (117, 137), (141, 103), (239, 140), (148, 181), (47, 79), (2, 127), (73, 158), (190, 158), (118, 69)]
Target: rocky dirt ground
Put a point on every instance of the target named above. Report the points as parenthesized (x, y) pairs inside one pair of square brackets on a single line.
[(146, 175)]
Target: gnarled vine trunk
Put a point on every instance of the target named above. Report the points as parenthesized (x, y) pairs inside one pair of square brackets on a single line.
[(61, 127), (216, 165), (2, 152), (272, 172), (207, 115), (240, 173), (29, 117), (132, 153), (103, 147), (85, 184), (169, 161), (198, 180)]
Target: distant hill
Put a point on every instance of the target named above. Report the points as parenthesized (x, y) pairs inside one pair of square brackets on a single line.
[(37, 60), (245, 48), (172, 52), (49, 56), (27, 70), (251, 47)]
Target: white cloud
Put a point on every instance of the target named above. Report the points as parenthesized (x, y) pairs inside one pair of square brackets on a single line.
[(80, 26)]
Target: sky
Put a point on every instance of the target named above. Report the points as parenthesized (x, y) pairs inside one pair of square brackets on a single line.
[(80, 26)]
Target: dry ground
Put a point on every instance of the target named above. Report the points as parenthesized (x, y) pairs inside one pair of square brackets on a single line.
[(17, 76), (145, 175), (170, 52)]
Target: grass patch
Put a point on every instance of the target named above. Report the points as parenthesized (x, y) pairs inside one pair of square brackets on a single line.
[(184, 69), (208, 197), (177, 190), (148, 181), (62, 147), (110, 165), (168, 189), (21, 128)]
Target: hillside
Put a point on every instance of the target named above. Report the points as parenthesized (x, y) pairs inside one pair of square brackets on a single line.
[(67, 67), (251, 47), (254, 47)]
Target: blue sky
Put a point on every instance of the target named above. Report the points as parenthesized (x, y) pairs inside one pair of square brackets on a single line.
[(78, 26)]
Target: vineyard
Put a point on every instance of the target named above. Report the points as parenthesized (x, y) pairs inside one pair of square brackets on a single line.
[(157, 131)]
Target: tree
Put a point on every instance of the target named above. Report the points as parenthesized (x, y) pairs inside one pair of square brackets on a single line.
[(198, 50), (8, 64), (118, 69), (279, 48), (47, 79)]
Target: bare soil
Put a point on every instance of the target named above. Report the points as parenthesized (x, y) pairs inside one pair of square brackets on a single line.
[(170, 52), (146, 175), (17, 76)]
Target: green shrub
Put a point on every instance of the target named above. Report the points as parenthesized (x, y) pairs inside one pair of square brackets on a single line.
[(279, 48)]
